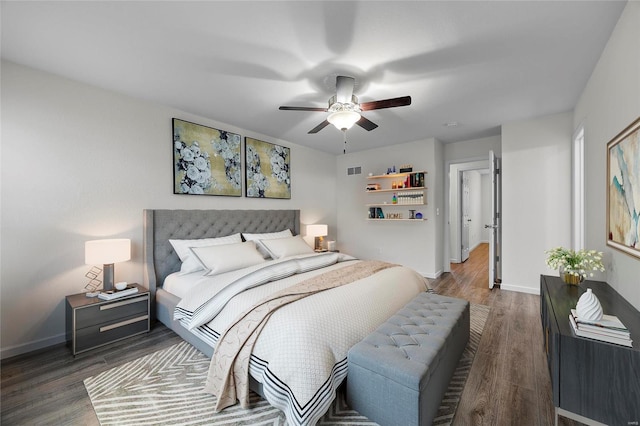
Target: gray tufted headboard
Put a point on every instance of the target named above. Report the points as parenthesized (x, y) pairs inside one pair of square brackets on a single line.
[(161, 260)]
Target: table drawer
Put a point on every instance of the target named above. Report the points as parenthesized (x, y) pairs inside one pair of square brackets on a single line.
[(100, 334), (112, 311)]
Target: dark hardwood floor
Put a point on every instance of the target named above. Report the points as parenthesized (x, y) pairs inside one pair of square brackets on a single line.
[(508, 383)]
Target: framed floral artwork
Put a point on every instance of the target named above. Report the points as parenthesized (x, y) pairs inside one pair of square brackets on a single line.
[(623, 190), (206, 161), (268, 169)]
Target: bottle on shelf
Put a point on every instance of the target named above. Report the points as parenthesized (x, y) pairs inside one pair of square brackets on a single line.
[(394, 199)]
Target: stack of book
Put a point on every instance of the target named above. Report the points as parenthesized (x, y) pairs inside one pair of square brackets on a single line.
[(608, 329)]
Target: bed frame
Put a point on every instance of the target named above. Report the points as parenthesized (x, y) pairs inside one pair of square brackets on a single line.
[(160, 259)]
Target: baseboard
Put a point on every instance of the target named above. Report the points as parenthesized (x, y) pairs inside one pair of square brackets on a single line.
[(433, 276), (520, 289), (32, 346)]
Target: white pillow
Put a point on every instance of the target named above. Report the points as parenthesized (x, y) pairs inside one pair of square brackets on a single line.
[(228, 257), (266, 236), (284, 247), (189, 263)]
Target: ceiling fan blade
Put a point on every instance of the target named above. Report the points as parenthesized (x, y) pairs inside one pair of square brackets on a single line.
[(293, 108), (386, 103), (319, 127), (344, 88), (366, 124)]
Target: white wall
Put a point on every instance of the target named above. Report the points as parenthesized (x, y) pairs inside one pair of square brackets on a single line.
[(609, 103), (80, 163), (474, 149), (440, 200), (536, 202), (414, 244)]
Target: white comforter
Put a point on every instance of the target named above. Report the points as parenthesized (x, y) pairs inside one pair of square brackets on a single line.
[(301, 355)]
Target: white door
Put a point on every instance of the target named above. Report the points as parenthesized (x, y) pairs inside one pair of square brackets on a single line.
[(464, 217), (495, 237)]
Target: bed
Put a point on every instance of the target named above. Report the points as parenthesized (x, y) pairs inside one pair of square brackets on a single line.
[(299, 359)]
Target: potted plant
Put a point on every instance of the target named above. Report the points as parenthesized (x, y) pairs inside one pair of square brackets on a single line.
[(572, 265)]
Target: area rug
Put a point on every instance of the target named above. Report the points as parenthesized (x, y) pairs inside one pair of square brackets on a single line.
[(165, 388)]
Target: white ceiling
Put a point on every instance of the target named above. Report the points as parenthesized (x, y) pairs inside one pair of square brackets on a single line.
[(478, 63)]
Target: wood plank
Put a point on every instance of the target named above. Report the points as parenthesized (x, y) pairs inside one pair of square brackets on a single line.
[(477, 403), (46, 386)]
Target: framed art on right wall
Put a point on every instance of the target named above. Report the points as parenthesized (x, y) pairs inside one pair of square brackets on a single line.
[(623, 190)]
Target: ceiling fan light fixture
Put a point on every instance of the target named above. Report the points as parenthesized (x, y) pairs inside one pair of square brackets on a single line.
[(343, 119)]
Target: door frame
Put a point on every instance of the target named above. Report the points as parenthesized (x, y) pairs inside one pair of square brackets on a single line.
[(474, 163)]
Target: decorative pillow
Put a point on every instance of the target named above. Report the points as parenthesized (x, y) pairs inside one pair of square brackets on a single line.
[(284, 247), (189, 263), (266, 236), (228, 257)]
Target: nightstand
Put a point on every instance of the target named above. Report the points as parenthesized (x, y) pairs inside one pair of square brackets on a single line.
[(93, 322)]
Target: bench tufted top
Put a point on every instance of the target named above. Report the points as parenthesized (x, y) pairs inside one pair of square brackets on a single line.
[(408, 346)]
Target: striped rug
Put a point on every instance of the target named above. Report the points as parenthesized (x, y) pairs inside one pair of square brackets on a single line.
[(165, 388)]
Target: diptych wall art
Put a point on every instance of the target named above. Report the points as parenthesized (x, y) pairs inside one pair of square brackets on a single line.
[(268, 170), (206, 161), (623, 190)]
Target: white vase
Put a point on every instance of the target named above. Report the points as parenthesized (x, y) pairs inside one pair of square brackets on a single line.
[(588, 307)]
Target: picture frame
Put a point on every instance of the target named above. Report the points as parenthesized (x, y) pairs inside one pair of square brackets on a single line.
[(623, 187), (268, 169), (206, 161)]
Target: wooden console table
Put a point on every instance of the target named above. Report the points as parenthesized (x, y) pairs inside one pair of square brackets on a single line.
[(593, 382)]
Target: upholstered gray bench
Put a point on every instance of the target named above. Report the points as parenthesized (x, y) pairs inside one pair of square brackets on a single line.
[(399, 373)]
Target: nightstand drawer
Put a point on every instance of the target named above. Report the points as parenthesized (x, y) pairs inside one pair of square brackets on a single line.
[(93, 322), (100, 334), (113, 311)]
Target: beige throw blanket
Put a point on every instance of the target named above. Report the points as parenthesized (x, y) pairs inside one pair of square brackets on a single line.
[(228, 376)]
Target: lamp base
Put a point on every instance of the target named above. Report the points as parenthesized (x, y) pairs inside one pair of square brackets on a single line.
[(107, 277)]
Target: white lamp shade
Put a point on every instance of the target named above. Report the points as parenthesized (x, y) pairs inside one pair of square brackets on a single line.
[(104, 252), (343, 119), (317, 230)]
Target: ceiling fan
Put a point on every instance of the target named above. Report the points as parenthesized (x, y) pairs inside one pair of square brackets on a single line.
[(345, 110)]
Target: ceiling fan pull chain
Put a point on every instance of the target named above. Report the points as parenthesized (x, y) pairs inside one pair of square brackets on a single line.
[(344, 132)]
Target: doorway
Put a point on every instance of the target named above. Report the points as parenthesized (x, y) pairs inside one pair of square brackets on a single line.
[(469, 195), (474, 204)]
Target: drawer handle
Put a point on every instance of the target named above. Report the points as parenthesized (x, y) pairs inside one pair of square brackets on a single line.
[(123, 323), (123, 303)]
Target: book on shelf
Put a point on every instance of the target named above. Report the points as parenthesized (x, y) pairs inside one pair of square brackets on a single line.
[(114, 294), (609, 324), (624, 341)]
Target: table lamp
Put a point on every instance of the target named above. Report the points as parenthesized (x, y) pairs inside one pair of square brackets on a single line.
[(107, 252), (319, 232)]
